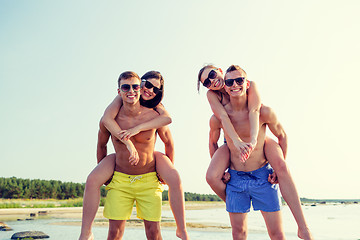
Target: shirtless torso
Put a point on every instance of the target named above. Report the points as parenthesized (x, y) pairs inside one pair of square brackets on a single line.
[(241, 123), (144, 143)]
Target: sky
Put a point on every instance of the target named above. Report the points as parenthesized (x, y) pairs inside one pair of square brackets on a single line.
[(60, 60)]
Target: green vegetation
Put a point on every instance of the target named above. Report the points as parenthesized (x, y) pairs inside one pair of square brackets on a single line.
[(18, 188), (194, 197), (20, 193)]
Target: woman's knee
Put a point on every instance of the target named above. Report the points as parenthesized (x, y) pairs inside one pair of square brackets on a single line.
[(280, 167), (92, 181), (174, 180)]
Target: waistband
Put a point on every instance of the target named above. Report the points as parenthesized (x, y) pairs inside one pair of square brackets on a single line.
[(139, 176), (124, 177), (260, 172)]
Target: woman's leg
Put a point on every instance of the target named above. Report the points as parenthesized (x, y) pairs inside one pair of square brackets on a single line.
[(219, 163), (288, 190), (170, 175), (101, 173)]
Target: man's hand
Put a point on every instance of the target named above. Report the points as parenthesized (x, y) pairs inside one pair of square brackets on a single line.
[(160, 179), (273, 178), (226, 177)]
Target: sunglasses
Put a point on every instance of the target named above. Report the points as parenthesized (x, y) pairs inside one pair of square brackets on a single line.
[(212, 75), (230, 82), (149, 85), (127, 87)]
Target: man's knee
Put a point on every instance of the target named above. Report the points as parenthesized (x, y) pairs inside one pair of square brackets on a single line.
[(277, 234), (115, 233), (153, 231), (239, 232)]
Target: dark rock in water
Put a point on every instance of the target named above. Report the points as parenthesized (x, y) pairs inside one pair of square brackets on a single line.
[(5, 229), (32, 214), (42, 212), (29, 234)]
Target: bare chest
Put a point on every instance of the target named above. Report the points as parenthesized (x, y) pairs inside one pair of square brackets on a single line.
[(126, 123)]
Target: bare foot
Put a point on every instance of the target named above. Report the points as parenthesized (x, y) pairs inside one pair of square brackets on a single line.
[(305, 234), (182, 234), (88, 237)]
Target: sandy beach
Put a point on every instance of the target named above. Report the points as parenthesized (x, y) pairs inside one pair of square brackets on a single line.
[(73, 214)]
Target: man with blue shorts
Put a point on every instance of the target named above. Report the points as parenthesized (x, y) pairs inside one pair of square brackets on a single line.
[(249, 179)]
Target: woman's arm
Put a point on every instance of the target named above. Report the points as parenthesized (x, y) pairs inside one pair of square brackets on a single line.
[(109, 116), (220, 112), (254, 104), (160, 121), (113, 109)]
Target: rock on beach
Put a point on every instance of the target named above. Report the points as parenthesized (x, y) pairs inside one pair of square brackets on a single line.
[(29, 234)]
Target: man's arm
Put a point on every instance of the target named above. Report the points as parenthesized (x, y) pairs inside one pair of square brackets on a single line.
[(103, 138), (214, 134), (275, 127), (165, 136)]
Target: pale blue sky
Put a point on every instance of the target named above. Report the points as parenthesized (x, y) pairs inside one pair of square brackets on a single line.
[(60, 61)]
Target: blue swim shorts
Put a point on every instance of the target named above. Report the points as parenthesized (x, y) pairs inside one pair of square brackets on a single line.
[(246, 187)]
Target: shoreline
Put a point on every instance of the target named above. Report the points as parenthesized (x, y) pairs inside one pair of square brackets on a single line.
[(72, 216)]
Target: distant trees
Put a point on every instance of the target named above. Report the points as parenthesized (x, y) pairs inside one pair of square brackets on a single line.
[(40, 189), (194, 197)]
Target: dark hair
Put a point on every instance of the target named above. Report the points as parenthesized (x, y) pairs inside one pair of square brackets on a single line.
[(201, 72), (157, 99), (127, 75), (235, 68)]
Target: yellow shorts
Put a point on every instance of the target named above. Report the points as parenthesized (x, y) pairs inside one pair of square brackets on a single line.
[(124, 189)]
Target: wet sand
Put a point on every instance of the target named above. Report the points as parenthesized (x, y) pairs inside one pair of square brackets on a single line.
[(74, 214)]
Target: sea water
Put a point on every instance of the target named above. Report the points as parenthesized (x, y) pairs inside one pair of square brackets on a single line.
[(327, 222)]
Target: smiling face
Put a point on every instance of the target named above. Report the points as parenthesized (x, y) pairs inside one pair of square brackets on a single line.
[(237, 84), (129, 90), (212, 78), (147, 89)]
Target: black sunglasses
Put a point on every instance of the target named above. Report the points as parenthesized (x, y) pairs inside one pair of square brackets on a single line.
[(212, 75), (230, 82), (149, 85), (126, 87)]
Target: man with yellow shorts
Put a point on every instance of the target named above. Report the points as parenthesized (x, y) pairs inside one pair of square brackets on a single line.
[(124, 189), (134, 177)]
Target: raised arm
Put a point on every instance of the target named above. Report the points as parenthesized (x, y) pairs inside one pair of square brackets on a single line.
[(109, 116), (103, 138), (214, 134), (254, 104), (112, 110), (220, 112), (165, 136), (275, 127)]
